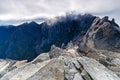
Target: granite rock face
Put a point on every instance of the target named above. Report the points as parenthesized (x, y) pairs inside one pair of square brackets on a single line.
[(61, 67), (103, 34)]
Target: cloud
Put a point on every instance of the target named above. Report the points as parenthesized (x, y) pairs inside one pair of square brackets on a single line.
[(31, 9)]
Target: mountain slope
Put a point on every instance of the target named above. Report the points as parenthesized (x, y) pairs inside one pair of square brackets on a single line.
[(30, 39), (5, 33), (103, 34)]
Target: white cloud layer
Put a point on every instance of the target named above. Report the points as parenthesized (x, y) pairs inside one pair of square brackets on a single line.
[(31, 9)]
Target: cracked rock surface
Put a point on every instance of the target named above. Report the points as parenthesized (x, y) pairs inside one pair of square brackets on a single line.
[(62, 67)]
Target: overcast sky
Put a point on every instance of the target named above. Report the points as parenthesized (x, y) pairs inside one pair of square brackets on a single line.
[(17, 10)]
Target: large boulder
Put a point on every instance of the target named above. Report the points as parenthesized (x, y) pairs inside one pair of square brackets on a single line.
[(96, 70)]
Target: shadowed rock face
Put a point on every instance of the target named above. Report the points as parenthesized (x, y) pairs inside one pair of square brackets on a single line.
[(103, 34), (28, 40)]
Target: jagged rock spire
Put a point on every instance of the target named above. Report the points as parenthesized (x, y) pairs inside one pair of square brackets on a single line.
[(113, 20), (106, 18)]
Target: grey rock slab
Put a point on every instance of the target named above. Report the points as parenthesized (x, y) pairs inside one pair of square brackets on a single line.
[(96, 70), (54, 70), (6, 66), (116, 61), (77, 76), (3, 67), (76, 63), (24, 72), (42, 57)]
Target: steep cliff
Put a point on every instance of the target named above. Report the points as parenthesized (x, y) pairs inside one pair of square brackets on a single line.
[(28, 40), (103, 34)]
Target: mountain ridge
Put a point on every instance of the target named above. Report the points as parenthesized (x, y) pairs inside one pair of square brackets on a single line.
[(75, 47), (39, 38), (32, 39)]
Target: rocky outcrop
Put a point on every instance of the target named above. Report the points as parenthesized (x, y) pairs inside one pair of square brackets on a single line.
[(103, 34), (101, 42), (9, 65), (81, 68), (54, 70), (108, 58), (69, 52), (61, 67), (96, 70)]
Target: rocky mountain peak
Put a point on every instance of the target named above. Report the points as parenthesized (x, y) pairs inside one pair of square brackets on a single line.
[(106, 18), (73, 47), (103, 34)]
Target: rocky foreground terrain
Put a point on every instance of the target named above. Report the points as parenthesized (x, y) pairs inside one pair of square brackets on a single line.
[(93, 54), (64, 64)]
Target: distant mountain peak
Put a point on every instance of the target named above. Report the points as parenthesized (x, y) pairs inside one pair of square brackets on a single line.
[(33, 23)]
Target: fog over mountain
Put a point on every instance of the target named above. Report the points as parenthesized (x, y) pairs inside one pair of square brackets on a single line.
[(32, 9), (59, 40)]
